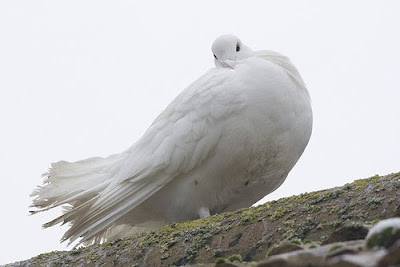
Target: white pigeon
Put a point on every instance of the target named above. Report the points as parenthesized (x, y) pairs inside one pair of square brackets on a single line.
[(226, 141)]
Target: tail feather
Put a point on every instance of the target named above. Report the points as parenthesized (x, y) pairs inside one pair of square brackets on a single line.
[(97, 193), (75, 185), (53, 195), (100, 217)]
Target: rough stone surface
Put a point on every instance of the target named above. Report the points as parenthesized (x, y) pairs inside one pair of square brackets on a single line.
[(308, 220), (283, 248), (384, 234), (347, 233)]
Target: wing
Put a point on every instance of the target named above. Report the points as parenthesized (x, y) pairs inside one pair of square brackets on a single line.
[(286, 65), (178, 141)]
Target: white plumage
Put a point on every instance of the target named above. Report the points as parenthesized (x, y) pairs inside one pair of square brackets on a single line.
[(226, 141)]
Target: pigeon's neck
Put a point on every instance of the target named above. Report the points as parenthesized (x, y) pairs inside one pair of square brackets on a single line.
[(283, 62)]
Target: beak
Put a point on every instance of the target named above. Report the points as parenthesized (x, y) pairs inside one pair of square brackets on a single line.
[(224, 63)]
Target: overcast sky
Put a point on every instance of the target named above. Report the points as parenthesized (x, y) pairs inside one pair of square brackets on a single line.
[(86, 78)]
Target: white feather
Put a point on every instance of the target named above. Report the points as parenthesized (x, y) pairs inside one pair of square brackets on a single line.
[(227, 140)]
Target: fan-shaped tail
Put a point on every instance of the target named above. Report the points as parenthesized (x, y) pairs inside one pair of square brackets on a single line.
[(75, 185)]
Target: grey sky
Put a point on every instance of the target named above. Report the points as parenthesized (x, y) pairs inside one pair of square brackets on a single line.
[(80, 79)]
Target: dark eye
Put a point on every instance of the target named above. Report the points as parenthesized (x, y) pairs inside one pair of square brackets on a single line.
[(237, 47), (215, 57)]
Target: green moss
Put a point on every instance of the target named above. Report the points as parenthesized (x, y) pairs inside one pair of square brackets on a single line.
[(92, 256), (312, 198), (384, 238), (280, 212), (252, 214), (235, 257), (335, 246), (220, 260), (165, 256), (289, 223), (305, 227), (348, 187), (363, 182), (333, 209), (396, 184), (296, 241), (291, 199), (247, 217), (269, 250), (197, 234), (352, 203), (217, 253), (45, 256), (77, 251), (375, 201)]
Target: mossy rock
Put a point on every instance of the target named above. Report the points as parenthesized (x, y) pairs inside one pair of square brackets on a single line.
[(283, 247), (385, 238), (308, 219), (348, 233)]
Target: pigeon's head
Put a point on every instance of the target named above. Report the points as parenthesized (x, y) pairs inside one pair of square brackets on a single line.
[(228, 48)]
